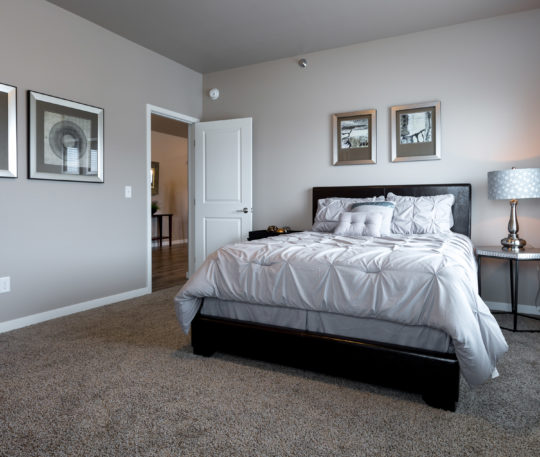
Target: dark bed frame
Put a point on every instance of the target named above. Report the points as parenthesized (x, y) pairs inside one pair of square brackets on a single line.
[(433, 374)]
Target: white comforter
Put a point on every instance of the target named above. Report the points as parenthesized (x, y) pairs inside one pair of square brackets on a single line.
[(427, 280)]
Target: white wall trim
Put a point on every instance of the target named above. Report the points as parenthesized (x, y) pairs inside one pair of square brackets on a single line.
[(171, 114), (152, 109), (33, 319), (155, 243), (524, 309), (14, 324)]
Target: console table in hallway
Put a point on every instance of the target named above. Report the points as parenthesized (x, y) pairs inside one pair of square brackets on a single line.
[(160, 237)]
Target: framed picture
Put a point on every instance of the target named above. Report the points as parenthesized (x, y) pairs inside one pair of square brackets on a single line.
[(65, 139), (8, 131), (416, 132), (355, 137), (154, 173)]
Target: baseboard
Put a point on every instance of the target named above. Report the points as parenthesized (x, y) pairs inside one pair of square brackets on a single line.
[(14, 324), (33, 319), (524, 309), (155, 243)]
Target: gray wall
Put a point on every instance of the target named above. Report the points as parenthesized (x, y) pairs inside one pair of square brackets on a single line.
[(486, 75), (65, 243)]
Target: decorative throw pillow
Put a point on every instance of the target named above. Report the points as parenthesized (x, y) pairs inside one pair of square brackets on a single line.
[(330, 209), (417, 215), (359, 224), (385, 209)]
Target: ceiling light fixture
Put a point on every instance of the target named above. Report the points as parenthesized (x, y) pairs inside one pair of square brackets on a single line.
[(302, 63)]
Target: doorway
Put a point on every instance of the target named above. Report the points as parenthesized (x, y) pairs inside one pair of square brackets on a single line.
[(168, 197)]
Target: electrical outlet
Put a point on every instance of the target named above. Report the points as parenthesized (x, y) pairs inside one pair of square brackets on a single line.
[(127, 191), (5, 284)]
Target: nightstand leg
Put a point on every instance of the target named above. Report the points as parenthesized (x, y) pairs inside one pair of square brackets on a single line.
[(516, 288), (512, 296)]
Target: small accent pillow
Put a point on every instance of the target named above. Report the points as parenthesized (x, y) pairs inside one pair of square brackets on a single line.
[(417, 215), (330, 209), (359, 224), (385, 209)]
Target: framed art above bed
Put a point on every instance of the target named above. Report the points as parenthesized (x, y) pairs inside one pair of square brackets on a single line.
[(355, 137), (415, 132)]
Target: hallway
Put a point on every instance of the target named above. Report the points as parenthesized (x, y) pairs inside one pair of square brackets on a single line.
[(169, 266)]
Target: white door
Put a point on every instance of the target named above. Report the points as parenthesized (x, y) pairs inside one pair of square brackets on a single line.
[(223, 192)]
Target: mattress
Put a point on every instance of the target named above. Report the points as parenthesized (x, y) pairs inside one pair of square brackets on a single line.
[(410, 280), (414, 336)]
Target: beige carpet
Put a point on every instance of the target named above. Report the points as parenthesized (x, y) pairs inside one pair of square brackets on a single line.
[(121, 380)]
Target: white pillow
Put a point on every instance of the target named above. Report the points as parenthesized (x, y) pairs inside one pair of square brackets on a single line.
[(359, 224), (416, 215), (385, 209), (330, 209)]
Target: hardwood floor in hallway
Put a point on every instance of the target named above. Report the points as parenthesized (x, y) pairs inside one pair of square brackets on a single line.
[(169, 266)]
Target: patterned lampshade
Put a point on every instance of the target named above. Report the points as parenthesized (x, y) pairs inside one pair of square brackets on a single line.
[(514, 184)]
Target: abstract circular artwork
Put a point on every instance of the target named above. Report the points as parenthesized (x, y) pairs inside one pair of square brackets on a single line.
[(67, 134), (65, 139)]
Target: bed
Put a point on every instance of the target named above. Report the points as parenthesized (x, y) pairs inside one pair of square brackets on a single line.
[(246, 300)]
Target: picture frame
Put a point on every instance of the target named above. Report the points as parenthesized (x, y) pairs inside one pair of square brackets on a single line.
[(65, 139), (415, 132), (8, 131), (154, 173), (355, 137)]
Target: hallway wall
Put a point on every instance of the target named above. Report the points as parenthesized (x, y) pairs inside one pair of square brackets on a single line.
[(172, 154)]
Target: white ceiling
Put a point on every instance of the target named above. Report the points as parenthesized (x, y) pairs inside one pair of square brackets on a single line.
[(212, 35)]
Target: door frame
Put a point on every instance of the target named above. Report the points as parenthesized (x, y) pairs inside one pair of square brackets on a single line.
[(152, 109)]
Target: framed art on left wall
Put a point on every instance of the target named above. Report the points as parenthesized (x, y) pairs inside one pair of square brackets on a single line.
[(65, 139), (8, 131)]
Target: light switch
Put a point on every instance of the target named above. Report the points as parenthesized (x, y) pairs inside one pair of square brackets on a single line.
[(127, 191), (5, 284)]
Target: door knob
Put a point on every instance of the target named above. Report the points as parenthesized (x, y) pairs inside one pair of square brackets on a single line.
[(243, 210)]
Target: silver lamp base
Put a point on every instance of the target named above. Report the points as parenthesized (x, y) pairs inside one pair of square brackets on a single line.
[(513, 243)]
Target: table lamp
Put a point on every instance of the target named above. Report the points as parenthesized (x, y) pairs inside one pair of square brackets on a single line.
[(512, 185)]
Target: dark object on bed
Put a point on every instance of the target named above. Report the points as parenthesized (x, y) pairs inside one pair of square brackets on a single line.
[(435, 375), (259, 234)]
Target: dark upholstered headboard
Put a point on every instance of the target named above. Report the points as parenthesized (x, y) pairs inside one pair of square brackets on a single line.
[(462, 193)]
